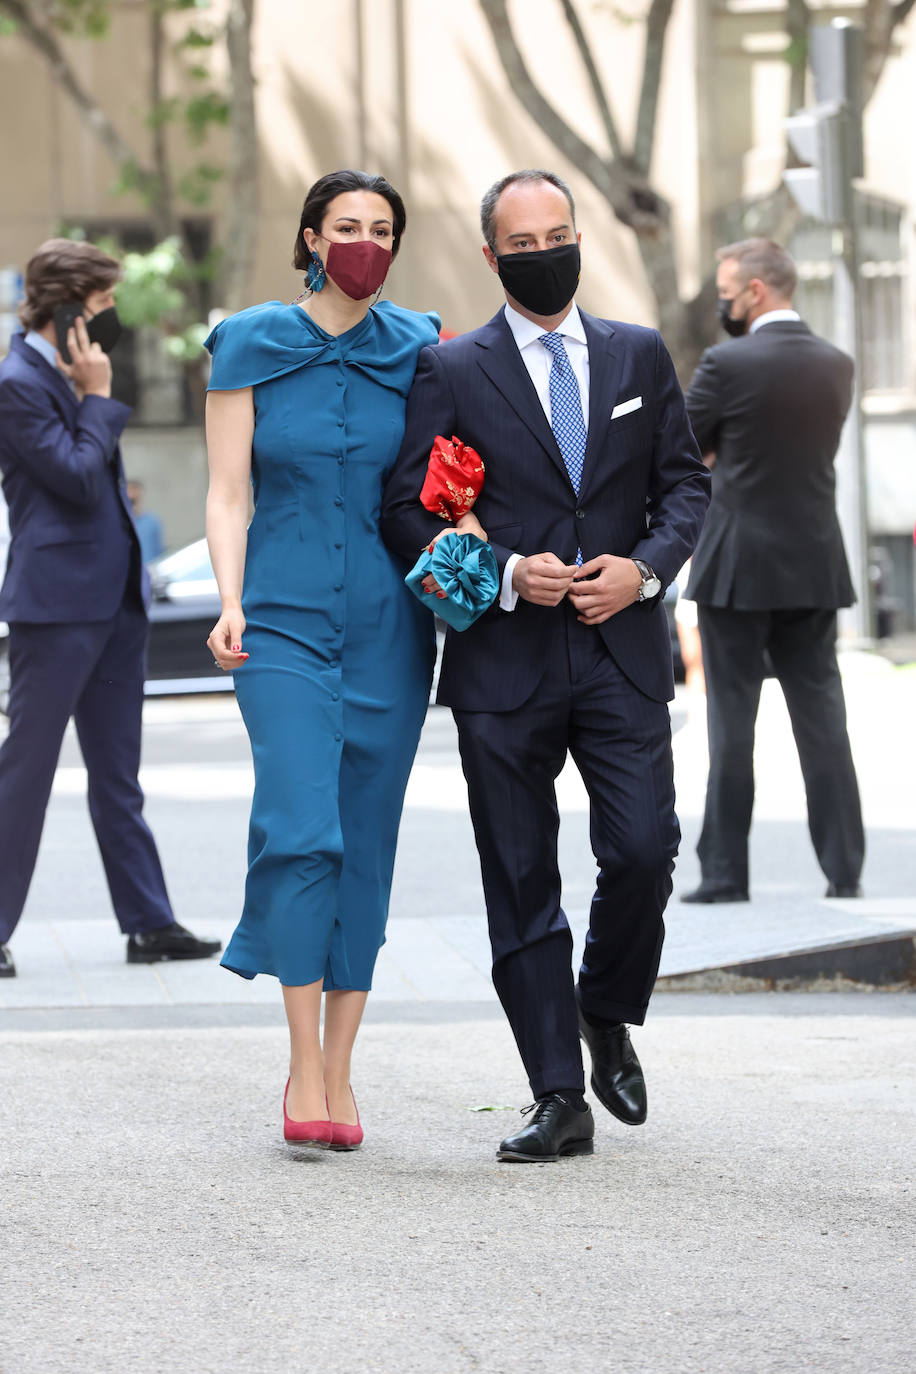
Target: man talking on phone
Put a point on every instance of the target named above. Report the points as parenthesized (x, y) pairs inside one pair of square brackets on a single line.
[(75, 596)]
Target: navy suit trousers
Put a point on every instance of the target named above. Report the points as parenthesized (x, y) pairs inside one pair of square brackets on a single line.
[(620, 740), (93, 672)]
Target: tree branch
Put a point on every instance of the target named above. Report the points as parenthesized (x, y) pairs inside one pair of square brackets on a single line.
[(656, 29), (95, 117), (598, 91), (798, 21), (634, 202)]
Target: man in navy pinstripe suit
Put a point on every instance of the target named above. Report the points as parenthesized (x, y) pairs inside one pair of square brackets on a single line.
[(593, 499)]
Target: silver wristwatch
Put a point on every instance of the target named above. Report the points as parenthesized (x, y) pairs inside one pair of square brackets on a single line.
[(651, 582)]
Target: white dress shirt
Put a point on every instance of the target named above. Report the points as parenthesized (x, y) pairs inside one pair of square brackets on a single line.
[(771, 317), (538, 361)]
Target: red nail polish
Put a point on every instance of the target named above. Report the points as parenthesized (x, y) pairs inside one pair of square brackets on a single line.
[(236, 648), (440, 595)]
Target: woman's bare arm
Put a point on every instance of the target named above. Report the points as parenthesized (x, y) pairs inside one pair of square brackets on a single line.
[(230, 431)]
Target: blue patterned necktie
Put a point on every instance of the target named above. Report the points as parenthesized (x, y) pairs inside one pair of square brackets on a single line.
[(566, 412)]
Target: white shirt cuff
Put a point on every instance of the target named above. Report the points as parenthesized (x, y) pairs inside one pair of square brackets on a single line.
[(508, 596)]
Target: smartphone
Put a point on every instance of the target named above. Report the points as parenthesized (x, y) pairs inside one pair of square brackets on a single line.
[(64, 318)]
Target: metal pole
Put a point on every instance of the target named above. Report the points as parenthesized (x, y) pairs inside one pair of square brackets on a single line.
[(837, 55), (851, 478)]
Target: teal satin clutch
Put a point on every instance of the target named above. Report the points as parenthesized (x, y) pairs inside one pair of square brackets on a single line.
[(465, 568)]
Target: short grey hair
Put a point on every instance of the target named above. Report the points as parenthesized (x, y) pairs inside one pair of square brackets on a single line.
[(765, 260), (526, 177)]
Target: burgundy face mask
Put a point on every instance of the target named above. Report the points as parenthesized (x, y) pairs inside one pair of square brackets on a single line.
[(358, 268)]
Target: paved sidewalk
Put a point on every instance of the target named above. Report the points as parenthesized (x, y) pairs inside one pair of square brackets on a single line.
[(70, 954), (761, 1222), (152, 1220)]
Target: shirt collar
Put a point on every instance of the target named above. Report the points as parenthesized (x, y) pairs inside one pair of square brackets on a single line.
[(772, 317), (41, 345), (525, 331)]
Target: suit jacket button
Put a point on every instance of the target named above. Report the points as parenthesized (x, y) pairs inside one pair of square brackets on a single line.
[(580, 514)]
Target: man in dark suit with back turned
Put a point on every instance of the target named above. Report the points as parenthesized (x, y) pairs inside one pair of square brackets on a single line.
[(593, 497), (770, 570), (75, 598)]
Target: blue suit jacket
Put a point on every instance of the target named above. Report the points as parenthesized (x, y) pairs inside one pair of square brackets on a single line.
[(72, 540), (644, 493)]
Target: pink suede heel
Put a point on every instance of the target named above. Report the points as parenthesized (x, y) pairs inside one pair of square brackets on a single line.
[(316, 1133), (344, 1136)]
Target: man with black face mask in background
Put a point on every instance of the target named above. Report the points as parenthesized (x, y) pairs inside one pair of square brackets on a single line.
[(770, 569), (593, 498), (75, 595)]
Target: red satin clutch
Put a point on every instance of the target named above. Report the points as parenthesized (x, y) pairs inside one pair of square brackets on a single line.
[(454, 478)]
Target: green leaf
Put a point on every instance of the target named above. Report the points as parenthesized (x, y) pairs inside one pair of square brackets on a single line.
[(163, 113), (196, 38), (187, 346), (203, 110), (491, 1109), (197, 184)]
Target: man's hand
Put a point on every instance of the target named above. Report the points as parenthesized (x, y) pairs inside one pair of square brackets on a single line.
[(616, 586), (90, 368), (542, 579)]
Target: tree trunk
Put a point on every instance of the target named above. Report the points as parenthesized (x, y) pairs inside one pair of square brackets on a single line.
[(240, 238)]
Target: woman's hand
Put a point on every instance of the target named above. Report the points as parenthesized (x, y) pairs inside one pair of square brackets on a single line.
[(469, 524), (225, 642)]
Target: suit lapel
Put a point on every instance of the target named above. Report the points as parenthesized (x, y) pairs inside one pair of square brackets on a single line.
[(605, 362), (500, 359)]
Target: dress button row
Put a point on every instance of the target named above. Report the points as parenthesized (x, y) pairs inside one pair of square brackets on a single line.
[(338, 737), (340, 422), (338, 500), (335, 696), (338, 586)]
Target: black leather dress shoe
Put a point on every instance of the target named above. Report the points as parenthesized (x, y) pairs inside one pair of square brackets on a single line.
[(617, 1077), (844, 890), (7, 967), (555, 1129), (707, 894), (169, 942)]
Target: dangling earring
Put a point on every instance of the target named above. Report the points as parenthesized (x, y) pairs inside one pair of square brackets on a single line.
[(316, 274)]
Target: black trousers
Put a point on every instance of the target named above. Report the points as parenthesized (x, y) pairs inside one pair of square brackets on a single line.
[(802, 650), (93, 672), (621, 743)]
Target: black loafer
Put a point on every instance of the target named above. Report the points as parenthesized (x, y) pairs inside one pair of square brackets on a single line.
[(844, 890), (555, 1129), (7, 967), (169, 942), (617, 1077), (709, 894)]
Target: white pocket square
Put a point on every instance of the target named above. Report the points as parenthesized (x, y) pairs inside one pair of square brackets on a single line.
[(625, 407)]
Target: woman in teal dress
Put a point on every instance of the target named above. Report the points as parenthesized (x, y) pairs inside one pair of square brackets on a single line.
[(332, 656)]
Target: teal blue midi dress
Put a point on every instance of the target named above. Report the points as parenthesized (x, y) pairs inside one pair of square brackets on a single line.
[(335, 690)]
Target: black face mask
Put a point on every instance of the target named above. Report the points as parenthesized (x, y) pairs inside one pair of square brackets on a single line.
[(544, 282), (733, 327), (104, 329)]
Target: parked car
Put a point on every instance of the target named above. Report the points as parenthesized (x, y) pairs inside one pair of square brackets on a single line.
[(183, 611)]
